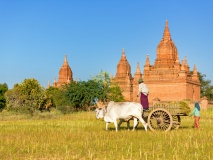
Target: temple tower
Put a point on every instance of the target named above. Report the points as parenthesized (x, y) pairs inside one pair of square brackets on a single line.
[(123, 77), (65, 74), (166, 51), (168, 79)]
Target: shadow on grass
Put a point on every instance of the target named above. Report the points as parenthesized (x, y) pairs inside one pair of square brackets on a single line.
[(123, 128), (183, 128)]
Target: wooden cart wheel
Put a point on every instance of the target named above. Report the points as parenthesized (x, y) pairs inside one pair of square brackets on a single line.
[(160, 119), (176, 121)]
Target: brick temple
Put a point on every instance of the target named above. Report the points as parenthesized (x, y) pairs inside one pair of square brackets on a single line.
[(65, 74), (168, 79)]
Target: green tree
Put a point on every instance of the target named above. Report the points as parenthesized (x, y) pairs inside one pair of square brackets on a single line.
[(115, 93), (83, 94), (206, 88), (3, 90), (111, 92), (51, 96), (60, 100), (13, 99), (27, 96)]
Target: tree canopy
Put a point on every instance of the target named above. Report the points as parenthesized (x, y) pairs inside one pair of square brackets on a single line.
[(83, 95), (111, 91), (28, 96), (3, 89), (206, 89)]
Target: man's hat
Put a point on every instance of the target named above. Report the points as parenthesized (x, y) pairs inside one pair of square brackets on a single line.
[(140, 80)]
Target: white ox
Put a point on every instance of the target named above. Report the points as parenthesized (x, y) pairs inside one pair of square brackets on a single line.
[(123, 111)]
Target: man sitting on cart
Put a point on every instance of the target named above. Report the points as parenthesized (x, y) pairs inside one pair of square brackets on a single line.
[(143, 92)]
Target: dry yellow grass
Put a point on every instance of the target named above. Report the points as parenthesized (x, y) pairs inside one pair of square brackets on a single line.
[(81, 136)]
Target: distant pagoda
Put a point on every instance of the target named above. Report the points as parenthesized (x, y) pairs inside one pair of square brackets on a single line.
[(65, 74)]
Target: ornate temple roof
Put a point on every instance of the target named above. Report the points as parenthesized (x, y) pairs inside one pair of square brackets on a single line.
[(167, 53), (123, 67)]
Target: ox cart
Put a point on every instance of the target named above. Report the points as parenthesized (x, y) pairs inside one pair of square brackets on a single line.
[(166, 116)]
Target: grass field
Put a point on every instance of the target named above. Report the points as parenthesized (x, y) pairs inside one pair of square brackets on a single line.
[(81, 136)]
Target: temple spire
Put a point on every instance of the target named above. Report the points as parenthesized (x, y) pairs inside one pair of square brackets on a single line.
[(147, 60), (183, 65), (138, 70), (54, 83), (195, 70), (195, 74), (166, 35), (65, 58), (123, 54), (123, 51), (185, 61)]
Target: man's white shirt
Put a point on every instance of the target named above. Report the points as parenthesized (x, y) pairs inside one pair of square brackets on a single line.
[(143, 89)]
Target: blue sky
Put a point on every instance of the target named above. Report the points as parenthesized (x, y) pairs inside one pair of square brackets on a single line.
[(36, 34)]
